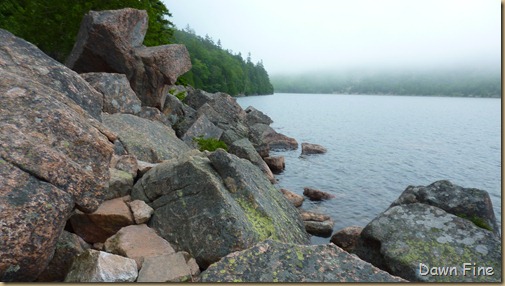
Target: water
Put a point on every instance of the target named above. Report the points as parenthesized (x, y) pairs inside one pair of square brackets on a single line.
[(379, 145)]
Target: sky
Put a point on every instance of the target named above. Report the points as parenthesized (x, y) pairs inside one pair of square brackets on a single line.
[(293, 36)]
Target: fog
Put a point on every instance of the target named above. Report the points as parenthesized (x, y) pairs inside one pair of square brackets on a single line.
[(293, 36)]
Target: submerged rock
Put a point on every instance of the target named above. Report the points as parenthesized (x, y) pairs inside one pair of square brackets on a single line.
[(272, 261)]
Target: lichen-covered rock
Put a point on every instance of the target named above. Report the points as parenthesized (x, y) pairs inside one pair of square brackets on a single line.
[(118, 96), (469, 203), (69, 245), (272, 261), (212, 206), (109, 218), (148, 140), (308, 149), (120, 184), (137, 242), (99, 266), (406, 236)]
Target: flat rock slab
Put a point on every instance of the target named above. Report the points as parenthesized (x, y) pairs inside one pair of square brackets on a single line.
[(148, 140), (271, 261)]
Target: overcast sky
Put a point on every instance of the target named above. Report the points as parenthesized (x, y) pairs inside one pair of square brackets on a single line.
[(301, 35)]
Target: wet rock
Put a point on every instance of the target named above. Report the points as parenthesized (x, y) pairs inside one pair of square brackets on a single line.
[(405, 236), (275, 163), (67, 248), (212, 206), (108, 219), (118, 96), (142, 212), (271, 261), (347, 238), (165, 268), (316, 195), (308, 149), (137, 242), (468, 203), (148, 140), (295, 199), (99, 266), (244, 149), (120, 184)]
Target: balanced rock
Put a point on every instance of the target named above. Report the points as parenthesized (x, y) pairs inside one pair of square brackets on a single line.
[(99, 266), (308, 149), (405, 237), (272, 261), (210, 207), (316, 195), (54, 155)]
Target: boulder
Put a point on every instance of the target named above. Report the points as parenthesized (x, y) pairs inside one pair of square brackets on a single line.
[(244, 149), (111, 41), (212, 206), (405, 237), (144, 167), (141, 211), (137, 242), (53, 155), (108, 219), (165, 268), (347, 238), (469, 203), (319, 228), (25, 60), (316, 195), (201, 127), (126, 163), (68, 246), (262, 134), (254, 116), (275, 163), (99, 266), (118, 96), (195, 98), (174, 109), (295, 199), (272, 261), (308, 149), (120, 184), (153, 114), (148, 140)]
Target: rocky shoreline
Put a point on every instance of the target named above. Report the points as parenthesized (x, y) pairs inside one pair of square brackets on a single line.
[(101, 181)]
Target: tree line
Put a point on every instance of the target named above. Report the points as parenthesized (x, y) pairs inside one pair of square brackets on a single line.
[(53, 25), (463, 82), (216, 69)]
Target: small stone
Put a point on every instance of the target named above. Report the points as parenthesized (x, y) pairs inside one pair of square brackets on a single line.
[(142, 212)]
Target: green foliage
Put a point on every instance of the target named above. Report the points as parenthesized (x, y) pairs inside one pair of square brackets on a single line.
[(218, 70), (210, 144), (180, 95), (442, 82), (52, 25), (477, 221)]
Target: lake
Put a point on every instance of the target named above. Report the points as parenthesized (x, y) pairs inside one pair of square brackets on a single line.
[(378, 145)]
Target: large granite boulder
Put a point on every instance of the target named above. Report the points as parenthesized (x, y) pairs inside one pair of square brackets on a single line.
[(254, 116), (53, 155), (469, 203), (148, 140), (272, 261), (244, 149), (420, 242), (261, 134), (27, 61), (213, 206), (118, 96), (111, 41)]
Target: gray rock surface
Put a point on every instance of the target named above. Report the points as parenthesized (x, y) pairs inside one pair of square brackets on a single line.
[(244, 149), (271, 261), (201, 127), (254, 116), (165, 268), (148, 140), (469, 203), (212, 206), (120, 184), (99, 266), (404, 236), (262, 134)]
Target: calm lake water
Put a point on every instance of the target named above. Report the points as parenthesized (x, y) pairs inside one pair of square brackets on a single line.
[(379, 145)]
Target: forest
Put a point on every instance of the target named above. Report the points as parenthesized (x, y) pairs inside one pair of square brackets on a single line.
[(461, 82), (52, 25)]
